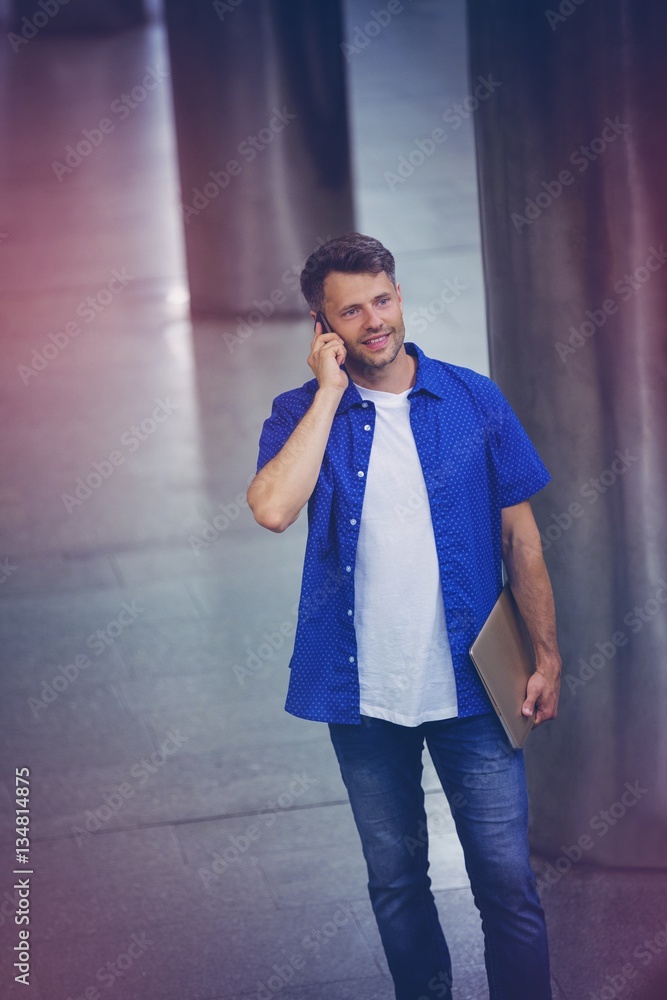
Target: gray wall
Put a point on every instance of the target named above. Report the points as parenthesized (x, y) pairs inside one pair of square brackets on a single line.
[(263, 151), (571, 162)]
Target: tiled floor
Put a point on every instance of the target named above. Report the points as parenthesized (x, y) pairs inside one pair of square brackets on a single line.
[(191, 839)]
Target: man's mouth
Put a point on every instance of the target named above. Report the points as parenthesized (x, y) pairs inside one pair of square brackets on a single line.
[(378, 341)]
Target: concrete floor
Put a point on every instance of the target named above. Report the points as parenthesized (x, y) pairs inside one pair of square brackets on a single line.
[(190, 839)]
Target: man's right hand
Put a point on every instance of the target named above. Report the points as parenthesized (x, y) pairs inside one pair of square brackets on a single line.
[(327, 354), (284, 484)]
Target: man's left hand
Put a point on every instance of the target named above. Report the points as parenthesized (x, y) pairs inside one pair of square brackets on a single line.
[(542, 691)]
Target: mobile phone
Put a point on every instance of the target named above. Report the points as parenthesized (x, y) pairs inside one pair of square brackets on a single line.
[(321, 318)]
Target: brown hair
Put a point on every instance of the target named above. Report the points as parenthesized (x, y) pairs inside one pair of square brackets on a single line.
[(351, 254)]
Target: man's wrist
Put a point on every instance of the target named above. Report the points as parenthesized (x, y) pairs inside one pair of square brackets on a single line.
[(549, 665), (329, 396), (329, 390)]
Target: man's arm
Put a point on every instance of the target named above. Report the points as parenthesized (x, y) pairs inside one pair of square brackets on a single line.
[(528, 577), (282, 486)]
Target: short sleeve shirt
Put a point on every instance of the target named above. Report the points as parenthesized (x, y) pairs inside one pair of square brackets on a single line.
[(476, 459)]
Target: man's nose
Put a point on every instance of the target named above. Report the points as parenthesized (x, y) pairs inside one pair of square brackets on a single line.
[(372, 320)]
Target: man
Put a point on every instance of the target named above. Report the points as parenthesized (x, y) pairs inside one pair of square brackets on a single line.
[(417, 475)]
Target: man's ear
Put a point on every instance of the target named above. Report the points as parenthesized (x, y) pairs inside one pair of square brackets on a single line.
[(400, 297)]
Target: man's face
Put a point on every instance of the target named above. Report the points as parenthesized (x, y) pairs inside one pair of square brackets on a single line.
[(361, 307)]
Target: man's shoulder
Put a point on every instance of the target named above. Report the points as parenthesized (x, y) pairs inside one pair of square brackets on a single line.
[(296, 401), (451, 375)]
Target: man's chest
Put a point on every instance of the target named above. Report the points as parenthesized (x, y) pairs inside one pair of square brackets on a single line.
[(441, 452)]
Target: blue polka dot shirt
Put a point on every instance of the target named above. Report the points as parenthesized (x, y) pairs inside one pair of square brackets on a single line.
[(476, 458)]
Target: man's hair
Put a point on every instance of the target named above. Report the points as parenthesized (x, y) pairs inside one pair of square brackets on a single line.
[(351, 254)]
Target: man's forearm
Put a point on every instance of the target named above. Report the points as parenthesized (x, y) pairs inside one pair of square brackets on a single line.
[(531, 587), (282, 487)]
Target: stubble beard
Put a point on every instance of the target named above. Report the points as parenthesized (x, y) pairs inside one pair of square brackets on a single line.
[(365, 362)]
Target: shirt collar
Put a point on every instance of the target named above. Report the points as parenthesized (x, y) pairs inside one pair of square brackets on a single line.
[(428, 379)]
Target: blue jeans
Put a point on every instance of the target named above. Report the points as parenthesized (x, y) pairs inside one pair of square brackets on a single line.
[(484, 780)]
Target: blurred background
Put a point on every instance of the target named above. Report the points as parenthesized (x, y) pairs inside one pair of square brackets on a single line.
[(166, 170)]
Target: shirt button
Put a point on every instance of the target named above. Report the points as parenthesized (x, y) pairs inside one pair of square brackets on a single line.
[(367, 427), (351, 659), (348, 569), (365, 403), (360, 472), (349, 611), (353, 520)]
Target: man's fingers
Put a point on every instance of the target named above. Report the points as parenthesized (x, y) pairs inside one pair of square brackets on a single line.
[(327, 337), (334, 341), (533, 692), (546, 711), (538, 696), (333, 344), (317, 334)]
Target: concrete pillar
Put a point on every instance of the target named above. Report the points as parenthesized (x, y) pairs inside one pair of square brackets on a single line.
[(571, 152), (55, 17), (261, 124)]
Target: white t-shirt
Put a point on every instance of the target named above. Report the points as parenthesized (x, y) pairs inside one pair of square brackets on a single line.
[(405, 666)]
